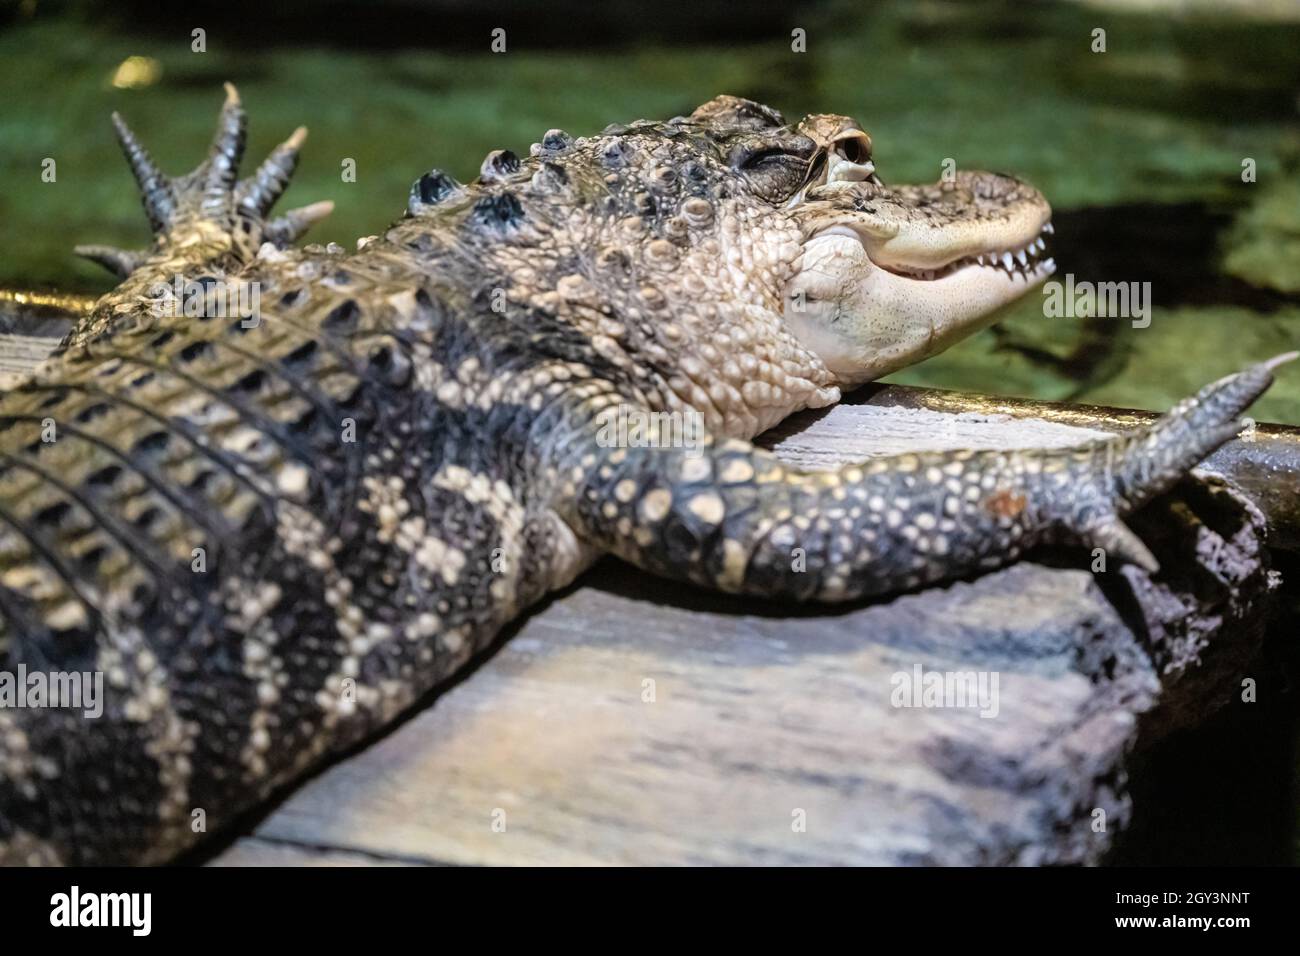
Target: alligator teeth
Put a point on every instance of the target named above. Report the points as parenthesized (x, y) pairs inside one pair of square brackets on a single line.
[(1049, 229), (1027, 257)]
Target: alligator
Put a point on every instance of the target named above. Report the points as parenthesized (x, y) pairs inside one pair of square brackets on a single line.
[(270, 534)]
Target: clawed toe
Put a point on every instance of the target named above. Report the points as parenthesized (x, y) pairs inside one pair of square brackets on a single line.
[(1115, 539), (1151, 461), (210, 204)]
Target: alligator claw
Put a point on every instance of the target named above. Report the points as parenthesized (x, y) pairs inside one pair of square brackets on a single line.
[(1116, 539), (120, 262), (285, 229), (156, 190), (1151, 461), (210, 206), (259, 192), (1111, 479)]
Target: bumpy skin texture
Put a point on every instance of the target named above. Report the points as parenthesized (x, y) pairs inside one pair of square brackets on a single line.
[(404, 452)]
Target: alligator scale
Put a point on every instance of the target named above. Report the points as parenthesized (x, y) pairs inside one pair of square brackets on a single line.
[(272, 536)]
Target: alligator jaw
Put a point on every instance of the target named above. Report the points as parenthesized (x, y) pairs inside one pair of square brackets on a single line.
[(1029, 262), (892, 275)]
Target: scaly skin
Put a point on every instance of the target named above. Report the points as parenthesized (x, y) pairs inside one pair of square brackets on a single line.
[(405, 450)]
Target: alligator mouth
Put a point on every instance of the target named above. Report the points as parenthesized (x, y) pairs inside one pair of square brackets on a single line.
[(845, 164), (1030, 262), (889, 275)]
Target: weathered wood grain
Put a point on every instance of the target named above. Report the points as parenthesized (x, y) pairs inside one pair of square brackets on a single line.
[(19, 354), (633, 721), (253, 851), (31, 325)]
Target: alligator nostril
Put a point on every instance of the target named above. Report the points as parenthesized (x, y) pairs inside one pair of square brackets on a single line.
[(853, 145), (853, 150)]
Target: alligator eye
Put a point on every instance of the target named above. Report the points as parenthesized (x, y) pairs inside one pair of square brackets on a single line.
[(768, 158), (773, 170)]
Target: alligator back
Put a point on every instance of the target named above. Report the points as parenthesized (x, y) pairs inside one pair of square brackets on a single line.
[(267, 535)]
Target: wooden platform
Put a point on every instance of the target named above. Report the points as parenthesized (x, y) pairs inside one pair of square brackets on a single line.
[(633, 721)]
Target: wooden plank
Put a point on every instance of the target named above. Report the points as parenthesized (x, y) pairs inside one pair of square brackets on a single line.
[(845, 434), (634, 721), (19, 354), (253, 851), (31, 325)]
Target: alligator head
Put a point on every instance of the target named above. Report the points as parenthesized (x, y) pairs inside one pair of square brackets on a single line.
[(733, 263), (888, 275), (893, 274)]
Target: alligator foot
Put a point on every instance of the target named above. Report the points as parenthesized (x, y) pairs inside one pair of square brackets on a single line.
[(209, 215), (1111, 479)]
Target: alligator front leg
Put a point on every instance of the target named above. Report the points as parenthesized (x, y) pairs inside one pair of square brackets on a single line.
[(207, 224), (732, 517)]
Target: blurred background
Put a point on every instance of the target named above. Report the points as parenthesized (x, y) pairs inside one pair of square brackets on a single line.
[(1140, 150)]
